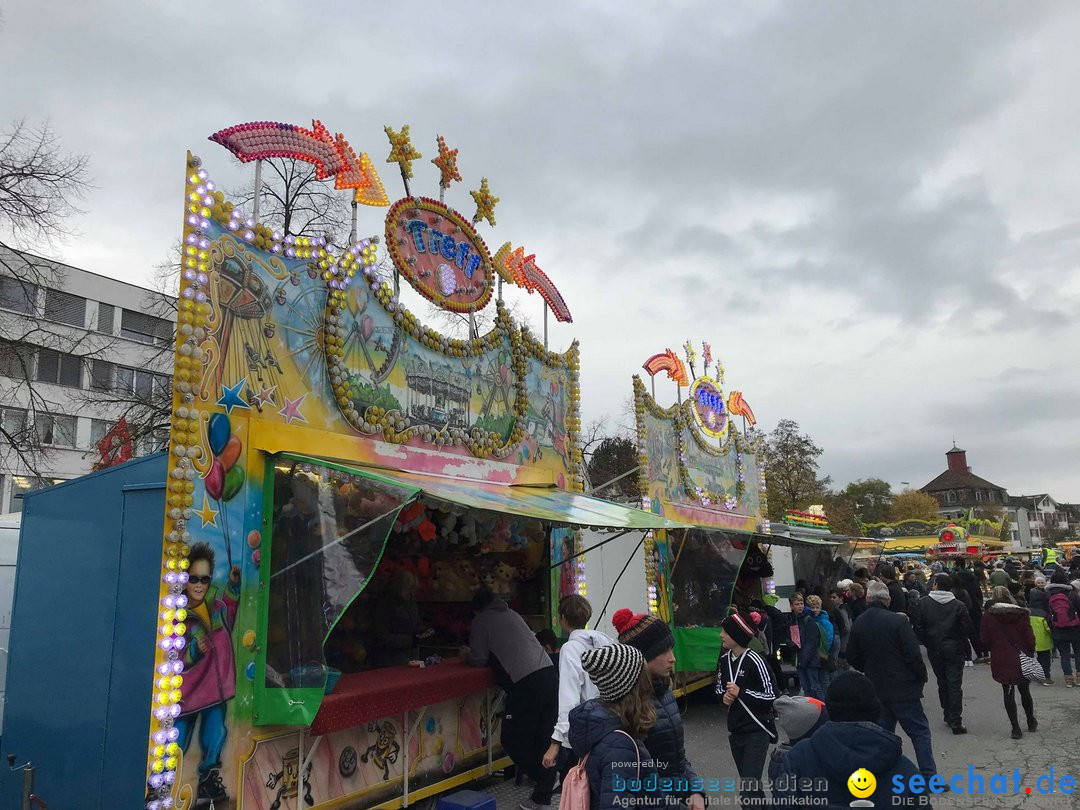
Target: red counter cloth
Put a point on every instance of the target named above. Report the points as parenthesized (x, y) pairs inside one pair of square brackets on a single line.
[(390, 692)]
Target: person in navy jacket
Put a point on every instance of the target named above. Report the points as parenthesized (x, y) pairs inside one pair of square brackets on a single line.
[(609, 729)]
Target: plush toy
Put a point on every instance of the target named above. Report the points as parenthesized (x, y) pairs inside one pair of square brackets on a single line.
[(504, 575), (409, 518), (470, 580), (500, 535)]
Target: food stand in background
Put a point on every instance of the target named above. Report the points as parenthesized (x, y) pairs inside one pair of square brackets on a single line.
[(919, 536), (340, 480)]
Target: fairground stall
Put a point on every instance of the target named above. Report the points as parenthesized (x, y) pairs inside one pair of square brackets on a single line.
[(698, 468), (340, 481), (918, 536)]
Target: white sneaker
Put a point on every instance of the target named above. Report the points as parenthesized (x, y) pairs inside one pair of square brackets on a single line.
[(968, 664), (529, 804)]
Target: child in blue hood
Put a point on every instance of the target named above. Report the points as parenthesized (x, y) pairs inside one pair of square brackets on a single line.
[(821, 765)]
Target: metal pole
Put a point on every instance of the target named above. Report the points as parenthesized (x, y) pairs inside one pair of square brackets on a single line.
[(28, 787), (352, 233), (652, 381), (545, 325), (258, 191), (500, 289)]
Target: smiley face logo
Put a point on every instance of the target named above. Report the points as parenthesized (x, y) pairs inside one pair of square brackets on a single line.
[(861, 783)]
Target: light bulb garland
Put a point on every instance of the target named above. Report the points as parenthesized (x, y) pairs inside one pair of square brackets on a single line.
[(185, 450)]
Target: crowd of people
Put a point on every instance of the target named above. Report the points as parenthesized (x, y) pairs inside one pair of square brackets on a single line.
[(598, 720)]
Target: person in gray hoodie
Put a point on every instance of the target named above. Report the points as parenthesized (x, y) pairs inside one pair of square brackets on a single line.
[(575, 686), (500, 636)]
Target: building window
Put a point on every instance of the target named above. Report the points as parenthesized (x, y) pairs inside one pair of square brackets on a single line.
[(106, 316), (98, 429), (16, 360), (59, 368), (145, 328), (978, 494), (22, 484), (55, 430), (950, 496), (125, 380), (65, 307), (20, 296), (14, 423), (101, 375), (990, 495)]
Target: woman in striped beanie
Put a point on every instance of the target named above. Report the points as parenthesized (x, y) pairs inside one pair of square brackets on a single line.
[(656, 642), (609, 729)]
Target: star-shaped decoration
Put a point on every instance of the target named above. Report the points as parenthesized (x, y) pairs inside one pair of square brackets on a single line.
[(230, 397), (291, 411), (401, 150), (266, 396), (207, 514), (485, 203), (447, 163)]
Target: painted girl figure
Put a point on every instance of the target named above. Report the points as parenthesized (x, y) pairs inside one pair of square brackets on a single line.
[(209, 666)]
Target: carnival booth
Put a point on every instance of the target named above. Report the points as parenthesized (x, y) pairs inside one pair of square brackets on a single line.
[(340, 481), (695, 467)]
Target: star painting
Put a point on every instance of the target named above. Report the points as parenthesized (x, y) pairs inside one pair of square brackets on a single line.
[(230, 397), (291, 411)]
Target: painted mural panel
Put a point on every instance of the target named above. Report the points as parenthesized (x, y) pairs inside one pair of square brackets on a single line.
[(709, 480)]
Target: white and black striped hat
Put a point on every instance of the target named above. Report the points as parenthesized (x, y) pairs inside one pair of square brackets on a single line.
[(614, 668)]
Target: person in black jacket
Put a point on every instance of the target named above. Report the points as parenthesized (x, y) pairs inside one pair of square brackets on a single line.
[(883, 646), (897, 594), (653, 638), (943, 625), (609, 729), (744, 682)]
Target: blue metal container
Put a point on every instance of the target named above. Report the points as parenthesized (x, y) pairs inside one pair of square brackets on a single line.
[(80, 669)]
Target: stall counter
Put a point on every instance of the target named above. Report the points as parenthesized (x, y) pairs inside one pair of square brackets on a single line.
[(361, 697)]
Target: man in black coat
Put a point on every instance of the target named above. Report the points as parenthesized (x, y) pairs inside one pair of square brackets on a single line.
[(883, 646), (897, 594), (944, 626)]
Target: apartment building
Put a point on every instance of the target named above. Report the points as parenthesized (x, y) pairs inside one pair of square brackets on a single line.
[(76, 349)]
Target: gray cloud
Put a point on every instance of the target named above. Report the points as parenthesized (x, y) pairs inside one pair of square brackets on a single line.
[(866, 208)]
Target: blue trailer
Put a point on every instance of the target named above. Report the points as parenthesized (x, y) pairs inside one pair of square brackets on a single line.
[(82, 640)]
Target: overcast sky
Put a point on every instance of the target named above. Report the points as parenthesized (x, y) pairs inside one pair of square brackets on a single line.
[(871, 210)]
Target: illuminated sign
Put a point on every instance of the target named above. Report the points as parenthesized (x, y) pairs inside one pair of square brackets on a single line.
[(439, 253), (707, 403)]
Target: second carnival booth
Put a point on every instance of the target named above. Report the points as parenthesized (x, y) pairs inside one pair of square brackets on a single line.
[(343, 480), (698, 468)]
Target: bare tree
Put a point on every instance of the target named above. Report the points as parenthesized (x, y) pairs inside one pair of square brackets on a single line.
[(39, 184), (293, 201)]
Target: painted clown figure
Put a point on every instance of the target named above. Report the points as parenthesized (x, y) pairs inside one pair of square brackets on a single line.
[(209, 666)]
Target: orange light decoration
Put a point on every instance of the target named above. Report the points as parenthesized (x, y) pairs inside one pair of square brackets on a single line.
[(373, 193), (402, 151), (506, 258), (737, 406), (517, 268), (485, 203), (670, 363), (447, 164)]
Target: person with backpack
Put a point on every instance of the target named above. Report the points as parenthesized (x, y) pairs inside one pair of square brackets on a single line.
[(654, 640), (1006, 630), (606, 733), (1065, 624), (744, 683), (575, 687)]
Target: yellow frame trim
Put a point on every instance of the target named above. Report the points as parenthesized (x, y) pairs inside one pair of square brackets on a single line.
[(692, 687)]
